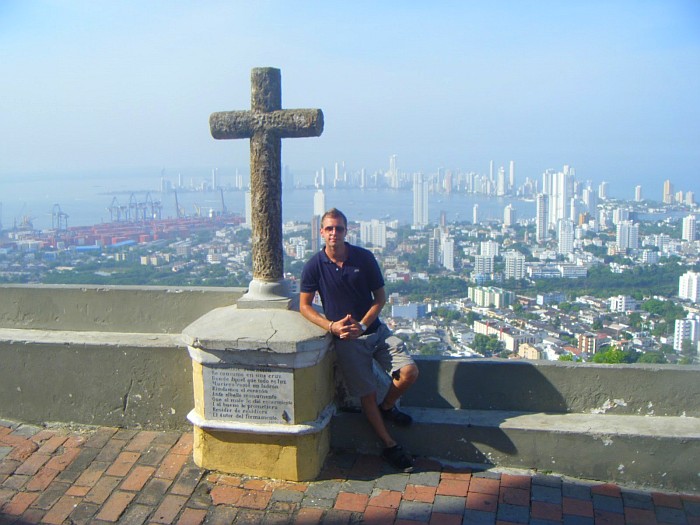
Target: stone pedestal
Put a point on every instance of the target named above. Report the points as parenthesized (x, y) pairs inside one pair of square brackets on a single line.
[(263, 392)]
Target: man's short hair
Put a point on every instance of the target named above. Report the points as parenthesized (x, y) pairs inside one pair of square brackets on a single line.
[(335, 213)]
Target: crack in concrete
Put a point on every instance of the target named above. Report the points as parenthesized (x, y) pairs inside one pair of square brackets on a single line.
[(125, 398)]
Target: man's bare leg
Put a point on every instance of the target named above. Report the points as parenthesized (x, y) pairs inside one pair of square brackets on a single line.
[(371, 410), (407, 376)]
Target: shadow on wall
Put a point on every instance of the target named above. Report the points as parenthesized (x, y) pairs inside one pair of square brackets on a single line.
[(484, 384)]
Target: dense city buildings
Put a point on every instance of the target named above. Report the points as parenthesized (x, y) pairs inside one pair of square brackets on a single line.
[(577, 275)]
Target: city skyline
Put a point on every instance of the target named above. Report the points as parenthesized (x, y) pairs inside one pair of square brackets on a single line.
[(608, 88)]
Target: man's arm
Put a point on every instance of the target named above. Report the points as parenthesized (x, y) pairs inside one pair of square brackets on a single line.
[(306, 308), (346, 327), (379, 301)]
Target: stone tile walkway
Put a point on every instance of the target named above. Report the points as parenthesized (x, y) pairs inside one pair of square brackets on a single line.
[(109, 475)]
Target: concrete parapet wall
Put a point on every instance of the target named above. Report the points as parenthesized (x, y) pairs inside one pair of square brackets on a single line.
[(557, 387), (100, 355), (95, 378), (115, 356), (148, 309)]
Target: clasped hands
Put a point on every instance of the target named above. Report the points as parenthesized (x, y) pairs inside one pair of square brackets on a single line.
[(347, 328)]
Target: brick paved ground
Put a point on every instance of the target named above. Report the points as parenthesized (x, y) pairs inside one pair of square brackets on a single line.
[(108, 475)]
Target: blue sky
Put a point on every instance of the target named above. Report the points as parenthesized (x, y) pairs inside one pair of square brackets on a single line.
[(609, 87)]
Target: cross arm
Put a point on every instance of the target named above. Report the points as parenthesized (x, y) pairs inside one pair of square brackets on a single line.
[(232, 124), (285, 123), (291, 123)]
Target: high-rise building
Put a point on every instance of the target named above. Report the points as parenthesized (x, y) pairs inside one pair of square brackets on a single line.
[(689, 286), (483, 264), (319, 203), (315, 233), (627, 235), (490, 248), (420, 202), (393, 172), (475, 214), (511, 176), (515, 265), (638, 193), (373, 233), (574, 209), (542, 218), (509, 217), (248, 211), (686, 330), (565, 236), (689, 228), (448, 253), (620, 215), (668, 192), (603, 191), (501, 182), (590, 200), (434, 249)]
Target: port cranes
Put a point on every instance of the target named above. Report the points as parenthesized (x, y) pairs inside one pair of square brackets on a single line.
[(135, 210), (59, 218)]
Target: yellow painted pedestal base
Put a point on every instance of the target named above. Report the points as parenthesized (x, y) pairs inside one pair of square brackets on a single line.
[(288, 457)]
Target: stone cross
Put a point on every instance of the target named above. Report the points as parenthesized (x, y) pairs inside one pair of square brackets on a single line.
[(265, 125)]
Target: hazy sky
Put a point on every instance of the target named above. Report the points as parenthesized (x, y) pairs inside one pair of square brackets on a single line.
[(609, 87)]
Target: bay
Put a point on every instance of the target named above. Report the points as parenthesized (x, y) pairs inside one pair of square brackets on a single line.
[(87, 201)]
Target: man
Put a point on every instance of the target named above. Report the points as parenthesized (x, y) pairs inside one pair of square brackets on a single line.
[(351, 287)]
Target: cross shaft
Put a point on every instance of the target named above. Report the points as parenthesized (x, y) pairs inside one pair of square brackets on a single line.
[(265, 124)]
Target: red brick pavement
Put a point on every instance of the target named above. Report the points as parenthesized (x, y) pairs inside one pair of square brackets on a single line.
[(108, 475)]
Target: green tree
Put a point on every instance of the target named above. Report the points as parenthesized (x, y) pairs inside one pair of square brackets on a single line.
[(610, 356), (653, 357)]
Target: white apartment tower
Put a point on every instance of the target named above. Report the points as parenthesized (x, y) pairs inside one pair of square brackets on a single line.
[(501, 182), (515, 265), (420, 202), (483, 264), (490, 248), (393, 172), (542, 217), (475, 214), (590, 200), (509, 218), (373, 233), (686, 329), (248, 211), (638, 193), (511, 176), (689, 286), (565, 236), (448, 253), (627, 235), (319, 203), (690, 232)]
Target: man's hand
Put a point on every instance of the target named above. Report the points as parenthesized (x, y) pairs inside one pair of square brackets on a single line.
[(347, 328)]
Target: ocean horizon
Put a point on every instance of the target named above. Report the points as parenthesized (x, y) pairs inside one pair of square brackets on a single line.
[(86, 201)]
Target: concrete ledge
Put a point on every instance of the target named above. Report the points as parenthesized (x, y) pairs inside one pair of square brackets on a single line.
[(149, 309), (95, 378), (547, 386), (657, 452)]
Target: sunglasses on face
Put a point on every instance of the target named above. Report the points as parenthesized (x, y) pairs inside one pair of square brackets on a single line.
[(338, 229)]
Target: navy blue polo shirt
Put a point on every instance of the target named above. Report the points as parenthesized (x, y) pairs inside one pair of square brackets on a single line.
[(346, 290)]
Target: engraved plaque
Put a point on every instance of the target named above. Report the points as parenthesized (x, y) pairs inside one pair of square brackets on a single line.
[(252, 395)]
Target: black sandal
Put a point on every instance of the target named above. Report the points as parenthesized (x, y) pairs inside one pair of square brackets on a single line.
[(398, 458)]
